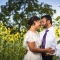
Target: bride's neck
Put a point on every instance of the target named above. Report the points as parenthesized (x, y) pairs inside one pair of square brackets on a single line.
[(32, 28)]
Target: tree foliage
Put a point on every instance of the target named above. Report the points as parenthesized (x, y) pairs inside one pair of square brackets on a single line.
[(57, 18), (17, 12)]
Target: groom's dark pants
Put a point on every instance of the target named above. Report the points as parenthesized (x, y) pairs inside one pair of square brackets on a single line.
[(47, 57)]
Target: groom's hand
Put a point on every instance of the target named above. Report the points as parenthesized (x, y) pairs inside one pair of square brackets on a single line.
[(50, 50)]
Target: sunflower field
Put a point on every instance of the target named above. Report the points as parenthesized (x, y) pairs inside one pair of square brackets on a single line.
[(11, 47)]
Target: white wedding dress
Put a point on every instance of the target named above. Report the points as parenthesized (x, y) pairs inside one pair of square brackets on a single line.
[(32, 37)]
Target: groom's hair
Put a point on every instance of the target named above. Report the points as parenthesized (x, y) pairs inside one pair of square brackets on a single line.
[(48, 17)]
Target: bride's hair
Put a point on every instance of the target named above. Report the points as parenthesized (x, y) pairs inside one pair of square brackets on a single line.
[(32, 19)]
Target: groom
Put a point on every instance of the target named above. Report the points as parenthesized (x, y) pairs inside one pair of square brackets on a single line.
[(47, 36)]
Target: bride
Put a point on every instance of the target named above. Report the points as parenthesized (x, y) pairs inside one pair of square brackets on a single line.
[(32, 41)]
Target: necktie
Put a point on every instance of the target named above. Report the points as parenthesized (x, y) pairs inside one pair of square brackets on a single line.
[(44, 39)]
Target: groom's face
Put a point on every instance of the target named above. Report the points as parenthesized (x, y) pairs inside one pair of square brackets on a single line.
[(44, 22)]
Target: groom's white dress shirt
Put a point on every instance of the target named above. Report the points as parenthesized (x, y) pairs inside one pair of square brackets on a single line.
[(50, 38)]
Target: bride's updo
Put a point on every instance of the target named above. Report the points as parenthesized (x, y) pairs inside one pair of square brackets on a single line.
[(32, 19)]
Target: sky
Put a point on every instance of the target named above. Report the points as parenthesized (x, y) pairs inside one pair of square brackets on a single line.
[(55, 5)]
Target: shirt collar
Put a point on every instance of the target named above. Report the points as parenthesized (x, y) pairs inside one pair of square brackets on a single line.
[(50, 28)]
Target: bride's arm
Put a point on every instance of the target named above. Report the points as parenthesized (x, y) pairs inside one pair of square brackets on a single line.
[(33, 48)]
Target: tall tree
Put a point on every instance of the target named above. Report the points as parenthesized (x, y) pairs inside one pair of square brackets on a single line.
[(19, 11)]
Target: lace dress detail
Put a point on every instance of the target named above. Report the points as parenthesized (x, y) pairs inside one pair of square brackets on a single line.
[(32, 37)]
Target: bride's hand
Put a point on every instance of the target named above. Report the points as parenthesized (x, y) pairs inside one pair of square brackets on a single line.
[(50, 50)]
